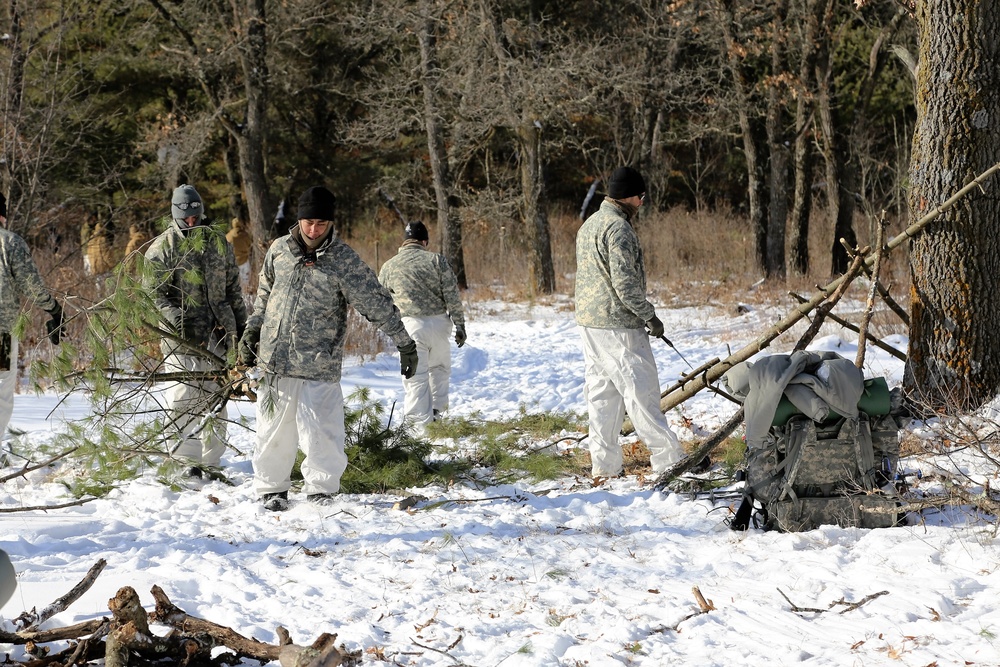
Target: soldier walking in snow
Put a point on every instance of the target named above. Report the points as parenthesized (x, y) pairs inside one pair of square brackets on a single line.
[(296, 335), (19, 279), (196, 286), (616, 320), (425, 290)]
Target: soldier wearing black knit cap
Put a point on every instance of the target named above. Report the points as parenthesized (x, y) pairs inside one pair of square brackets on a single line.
[(616, 320), (425, 290), (296, 337)]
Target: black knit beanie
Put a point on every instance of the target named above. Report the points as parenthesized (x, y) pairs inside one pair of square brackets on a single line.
[(625, 182), (316, 203), (416, 230), (3, 206)]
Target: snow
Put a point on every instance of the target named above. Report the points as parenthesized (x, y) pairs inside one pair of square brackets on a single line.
[(552, 573)]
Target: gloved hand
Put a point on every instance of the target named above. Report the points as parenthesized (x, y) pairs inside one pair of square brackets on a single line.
[(54, 326), (407, 359), (460, 336), (654, 327), (246, 352)]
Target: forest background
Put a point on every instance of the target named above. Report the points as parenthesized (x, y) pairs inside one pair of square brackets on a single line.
[(767, 131)]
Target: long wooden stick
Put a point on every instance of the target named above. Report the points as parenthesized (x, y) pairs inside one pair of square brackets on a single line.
[(31, 621), (866, 316), (882, 345)]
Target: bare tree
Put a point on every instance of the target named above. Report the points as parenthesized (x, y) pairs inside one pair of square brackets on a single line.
[(231, 67)]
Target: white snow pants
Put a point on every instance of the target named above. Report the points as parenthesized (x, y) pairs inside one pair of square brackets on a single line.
[(427, 390), (621, 375), (8, 378), (294, 414), (187, 404)]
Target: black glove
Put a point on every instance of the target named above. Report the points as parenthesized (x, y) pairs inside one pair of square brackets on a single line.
[(246, 353), (460, 336), (54, 326), (407, 359), (654, 326)]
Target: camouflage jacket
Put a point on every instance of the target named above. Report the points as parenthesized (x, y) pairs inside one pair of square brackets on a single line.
[(300, 314), (19, 278), (610, 274), (196, 285), (422, 283)]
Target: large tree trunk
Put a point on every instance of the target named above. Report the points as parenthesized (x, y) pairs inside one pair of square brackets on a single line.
[(449, 225), (955, 265)]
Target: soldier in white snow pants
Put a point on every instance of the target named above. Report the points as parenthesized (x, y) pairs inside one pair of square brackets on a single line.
[(621, 376), (616, 320), (427, 391), (425, 289), (307, 415), (186, 402)]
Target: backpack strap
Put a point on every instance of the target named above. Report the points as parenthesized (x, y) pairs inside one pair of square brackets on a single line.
[(865, 453), (798, 431)]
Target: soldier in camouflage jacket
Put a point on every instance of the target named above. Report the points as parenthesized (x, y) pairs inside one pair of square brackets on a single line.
[(296, 335), (195, 284), (425, 290), (19, 279), (614, 315)]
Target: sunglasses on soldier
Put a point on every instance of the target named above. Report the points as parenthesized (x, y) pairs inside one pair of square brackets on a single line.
[(185, 206)]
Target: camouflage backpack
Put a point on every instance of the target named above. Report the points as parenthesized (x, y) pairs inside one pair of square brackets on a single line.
[(838, 472)]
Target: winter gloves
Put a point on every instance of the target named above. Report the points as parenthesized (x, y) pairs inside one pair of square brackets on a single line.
[(246, 353), (407, 359), (54, 326), (654, 327), (460, 336)]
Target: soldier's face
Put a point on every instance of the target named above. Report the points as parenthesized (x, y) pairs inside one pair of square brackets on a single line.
[(314, 228), (191, 220)]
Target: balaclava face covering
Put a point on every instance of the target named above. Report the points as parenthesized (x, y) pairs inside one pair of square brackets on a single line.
[(186, 202)]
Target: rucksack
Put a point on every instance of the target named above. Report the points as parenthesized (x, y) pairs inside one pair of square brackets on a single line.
[(838, 472)]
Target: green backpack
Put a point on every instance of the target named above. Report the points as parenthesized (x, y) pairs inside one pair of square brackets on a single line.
[(809, 474)]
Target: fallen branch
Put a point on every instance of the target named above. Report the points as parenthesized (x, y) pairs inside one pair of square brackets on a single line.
[(43, 508), (824, 309), (849, 606), (696, 456), (885, 347), (44, 464), (31, 620)]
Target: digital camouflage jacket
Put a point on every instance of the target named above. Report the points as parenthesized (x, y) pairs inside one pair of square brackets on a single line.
[(610, 274), (196, 285), (301, 307), (422, 283), (19, 278)]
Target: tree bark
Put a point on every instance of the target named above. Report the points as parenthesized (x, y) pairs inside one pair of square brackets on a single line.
[(774, 124), (752, 134), (954, 266), (802, 160), (543, 277), (449, 224), (251, 134)]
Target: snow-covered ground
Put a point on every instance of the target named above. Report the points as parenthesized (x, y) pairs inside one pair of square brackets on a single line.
[(554, 573)]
